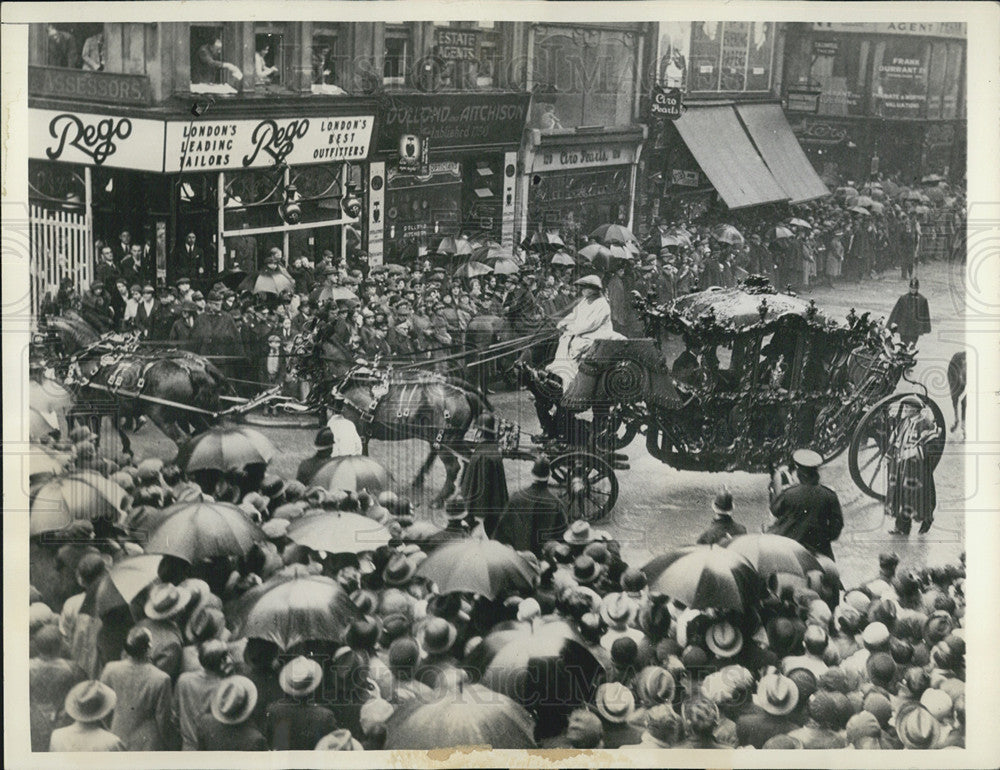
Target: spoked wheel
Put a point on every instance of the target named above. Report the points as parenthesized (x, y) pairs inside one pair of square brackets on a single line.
[(614, 432), (586, 484), (868, 458)]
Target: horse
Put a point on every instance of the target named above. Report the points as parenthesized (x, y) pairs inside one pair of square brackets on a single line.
[(395, 405), (956, 388), (127, 383)]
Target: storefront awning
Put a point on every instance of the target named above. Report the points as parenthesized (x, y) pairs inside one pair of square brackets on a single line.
[(781, 151), (728, 158)]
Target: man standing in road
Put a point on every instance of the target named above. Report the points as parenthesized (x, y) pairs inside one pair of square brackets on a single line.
[(911, 315), (346, 440), (533, 515), (808, 511)]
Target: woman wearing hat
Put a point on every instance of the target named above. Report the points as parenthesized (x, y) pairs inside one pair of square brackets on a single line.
[(587, 322), (88, 704), (910, 494)]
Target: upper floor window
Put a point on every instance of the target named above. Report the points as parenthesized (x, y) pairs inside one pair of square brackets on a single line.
[(272, 55), (398, 55), (466, 53), (325, 53), (211, 67), (75, 46), (731, 56)]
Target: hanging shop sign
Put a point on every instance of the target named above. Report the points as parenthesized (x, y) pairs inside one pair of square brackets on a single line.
[(454, 120), (220, 145), (88, 139), (666, 103), (583, 156), (826, 47), (414, 155)]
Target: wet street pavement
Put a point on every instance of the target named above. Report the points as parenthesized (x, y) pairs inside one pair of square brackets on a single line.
[(660, 507)]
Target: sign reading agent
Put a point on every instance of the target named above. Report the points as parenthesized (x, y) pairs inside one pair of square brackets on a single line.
[(220, 145)]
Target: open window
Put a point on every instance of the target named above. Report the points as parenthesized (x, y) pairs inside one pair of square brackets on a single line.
[(325, 52), (75, 46), (211, 57), (398, 55), (272, 55)]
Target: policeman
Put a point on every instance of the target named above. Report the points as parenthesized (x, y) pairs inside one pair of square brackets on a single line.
[(808, 511)]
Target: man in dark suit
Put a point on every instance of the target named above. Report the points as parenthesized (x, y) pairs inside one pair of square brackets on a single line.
[(911, 314), (189, 259), (484, 483), (106, 271), (123, 246), (533, 514), (297, 722), (132, 267), (808, 512), (324, 451)]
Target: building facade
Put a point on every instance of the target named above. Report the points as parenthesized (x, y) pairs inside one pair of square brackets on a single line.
[(887, 97)]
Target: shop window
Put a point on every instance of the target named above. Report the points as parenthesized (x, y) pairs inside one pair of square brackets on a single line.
[(838, 68), (75, 46), (732, 56), (583, 77), (212, 69), (398, 56)]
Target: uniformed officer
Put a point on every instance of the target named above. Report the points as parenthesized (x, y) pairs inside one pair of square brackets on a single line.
[(808, 511)]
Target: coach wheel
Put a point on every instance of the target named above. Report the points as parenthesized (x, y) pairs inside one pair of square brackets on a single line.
[(586, 484)]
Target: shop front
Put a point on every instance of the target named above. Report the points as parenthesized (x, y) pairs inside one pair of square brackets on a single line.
[(446, 165), (201, 191), (578, 181)]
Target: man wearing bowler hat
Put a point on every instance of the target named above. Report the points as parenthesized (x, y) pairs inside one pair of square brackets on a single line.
[(808, 511)]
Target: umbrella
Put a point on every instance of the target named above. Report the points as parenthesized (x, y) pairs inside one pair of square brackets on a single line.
[(710, 577), (593, 250), (860, 210), (42, 462), (877, 193), (936, 194), (352, 473), (611, 233), (200, 530), (912, 195), (273, 282), (932, 179), (506, 267), (122, 583), (800, 223), (454, 245), (233, 279), (544, 241), (627, 252), (656, 566), (395, 269), (472, 269), (338, 532), (484, 567), (891, 187), (780, 232), (490, 254), (85, 495), (481, 241), (562, 258), (847, 192), (727, 234), (470, 715), (770, 554), (225, 448), (863, 200), (295, 606), (876, 208), (545, 665), (334, 294), (921, 210)]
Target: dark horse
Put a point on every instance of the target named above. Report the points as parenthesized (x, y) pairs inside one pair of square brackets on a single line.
[(126, 382), (397, 405), (956, 387)]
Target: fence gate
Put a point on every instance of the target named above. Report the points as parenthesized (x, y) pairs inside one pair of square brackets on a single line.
[(61, 246)]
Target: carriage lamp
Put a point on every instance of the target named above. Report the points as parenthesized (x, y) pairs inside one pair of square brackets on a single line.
[(290, 211)]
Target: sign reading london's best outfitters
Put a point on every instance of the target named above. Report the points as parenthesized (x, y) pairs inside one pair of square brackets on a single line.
[(96, 140), (220, 145)]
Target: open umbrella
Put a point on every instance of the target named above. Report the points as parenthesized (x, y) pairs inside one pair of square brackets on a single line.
[(469, 715), (334, 294), (593, 250), (847, 192), (779, 232), (338, 532), (658, 564), (860, 210), (506, 267), (483, 240), (800, 223), (490, 254), (876, 208), (912, 195), (863, 200), (563, 259), (84, 495), (932, 179), (294, 606), (393, 269), (545, 665), (121, 584), (614, 233), (472, 270), (625, 253), (543, 241), (771, 554), (484, 567), (200, 530), (936, 194), (225, 448), (273, 282), (453, 245), (352, 473), (710, 577), (727, 234)]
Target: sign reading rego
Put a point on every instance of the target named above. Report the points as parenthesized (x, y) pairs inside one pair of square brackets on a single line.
[(95, 140)]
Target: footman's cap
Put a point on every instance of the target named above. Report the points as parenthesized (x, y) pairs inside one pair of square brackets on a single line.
[(807, 458)]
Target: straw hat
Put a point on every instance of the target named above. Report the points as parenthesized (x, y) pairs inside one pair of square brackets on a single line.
[(300, 676), (234, 700), (614, 702), (166, 601), (90, 701), (776, 694), (724, 639)]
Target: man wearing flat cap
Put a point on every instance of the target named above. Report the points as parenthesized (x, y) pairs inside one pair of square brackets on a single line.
[(808, 511)]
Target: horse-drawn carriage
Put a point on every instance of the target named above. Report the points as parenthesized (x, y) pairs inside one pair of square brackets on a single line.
[(736, 379)]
